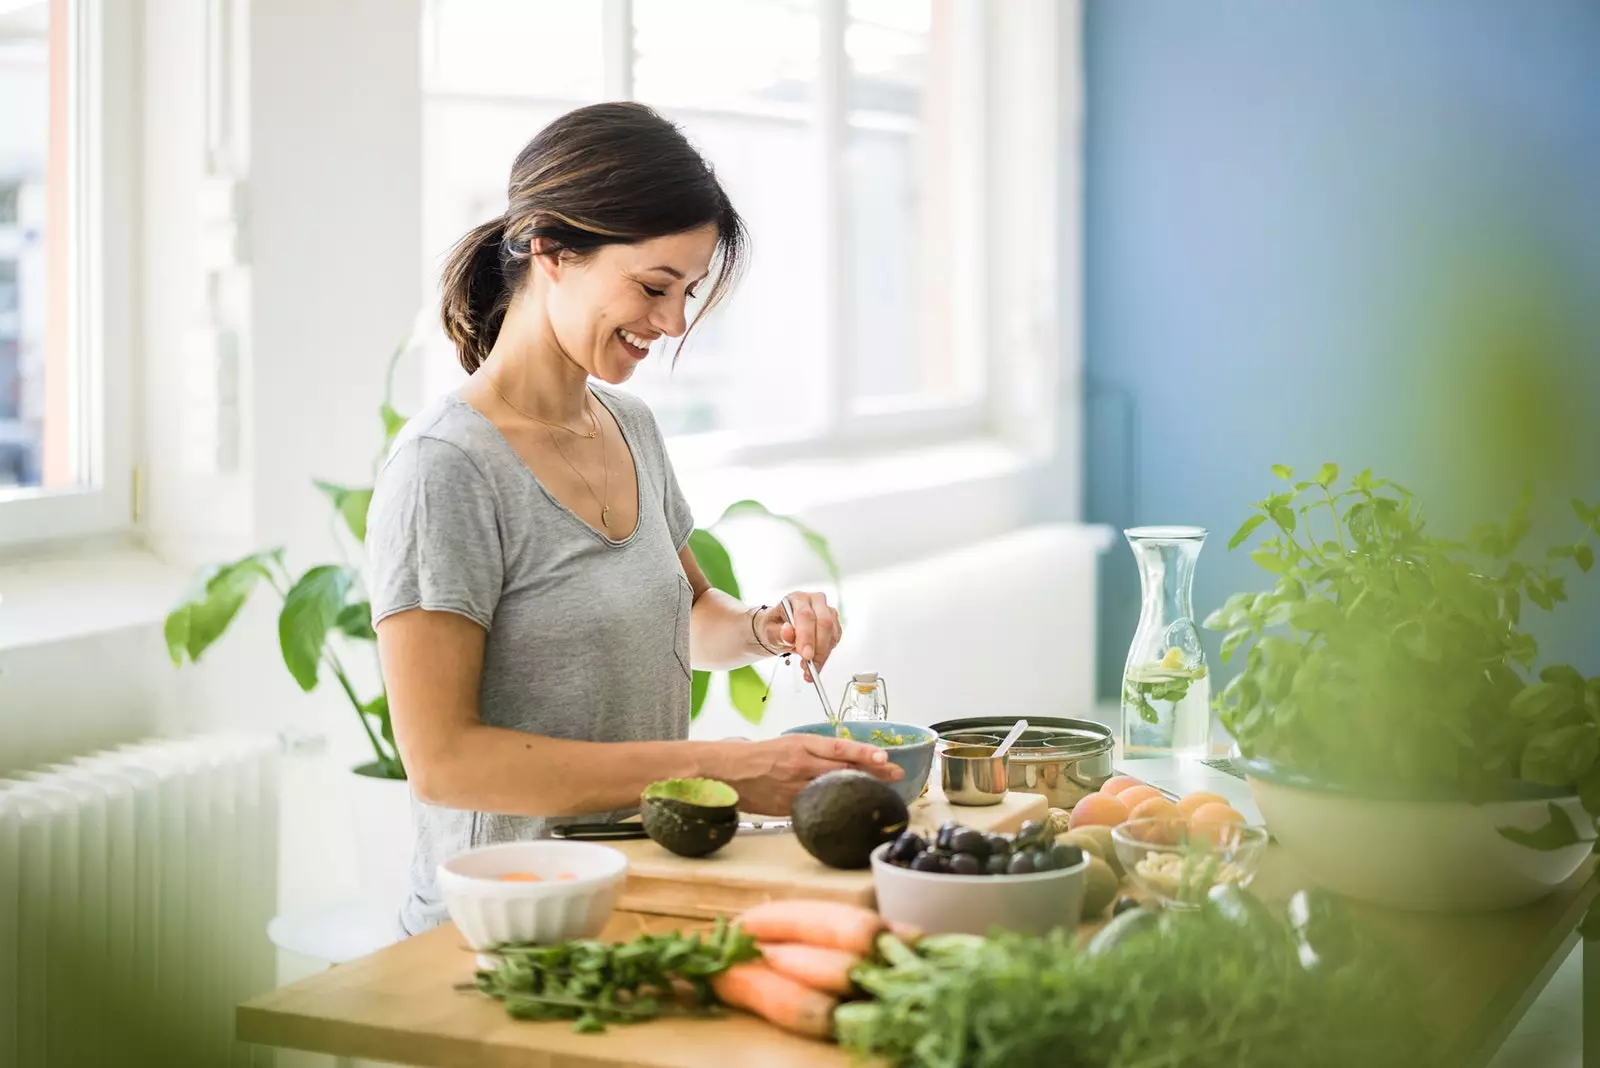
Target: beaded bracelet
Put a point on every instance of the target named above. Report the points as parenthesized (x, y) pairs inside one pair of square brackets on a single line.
[(757, 636)]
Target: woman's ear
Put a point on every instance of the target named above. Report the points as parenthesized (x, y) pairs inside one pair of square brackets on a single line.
[(546, 258)]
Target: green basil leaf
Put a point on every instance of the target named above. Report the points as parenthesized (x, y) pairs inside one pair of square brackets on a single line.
[(1584, 555), (1231, 643), (1581, 510), (1558, 833), (1283, 515), (1245, 530), (310, 609), (1315, 614), (1285, 473), (1327, 475), (1270, 561), (1562, 756), (1564, 675), (1544, 701)]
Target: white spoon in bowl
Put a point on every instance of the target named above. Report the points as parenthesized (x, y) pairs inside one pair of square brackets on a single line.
[(1016, 732)]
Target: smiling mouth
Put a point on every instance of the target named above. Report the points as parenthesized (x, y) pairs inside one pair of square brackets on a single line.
[(638, 347)]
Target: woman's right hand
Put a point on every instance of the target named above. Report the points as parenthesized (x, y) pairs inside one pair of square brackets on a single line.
[(769, 774)]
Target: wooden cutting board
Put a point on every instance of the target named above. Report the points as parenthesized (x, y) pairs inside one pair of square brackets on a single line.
[(769, 865)]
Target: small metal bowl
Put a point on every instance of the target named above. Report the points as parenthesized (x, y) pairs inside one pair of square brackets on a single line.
[(972, 775), (959, 738)]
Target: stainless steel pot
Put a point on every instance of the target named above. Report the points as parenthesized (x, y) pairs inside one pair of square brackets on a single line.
[(1064, 759)]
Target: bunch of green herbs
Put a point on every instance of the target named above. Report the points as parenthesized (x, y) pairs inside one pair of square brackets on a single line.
[(597, 983), (1394, 660), (1196, 990)]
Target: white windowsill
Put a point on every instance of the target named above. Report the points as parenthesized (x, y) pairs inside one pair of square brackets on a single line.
[(77, 595), (83, 590), (803, 485)]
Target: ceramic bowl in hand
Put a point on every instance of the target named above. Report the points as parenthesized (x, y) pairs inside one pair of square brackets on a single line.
[(1178, 865), (908, 746), (543, 891)]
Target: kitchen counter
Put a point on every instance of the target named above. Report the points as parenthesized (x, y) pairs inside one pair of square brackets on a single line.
[(1479, 973)]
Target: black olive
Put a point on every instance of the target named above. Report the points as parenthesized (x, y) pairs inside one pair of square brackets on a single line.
[(999, 844), (967, 840), (997, 863), (1031, 831), (927, 862), (946, 830), (1065, 856), (965, 864), (1042, 860), (906, 847), (1020, 864), (1124, 903)]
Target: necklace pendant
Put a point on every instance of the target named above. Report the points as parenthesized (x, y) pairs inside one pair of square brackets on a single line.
[(605, 518)]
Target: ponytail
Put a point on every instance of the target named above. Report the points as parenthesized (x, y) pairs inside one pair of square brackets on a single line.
[(476, 290), (604, 174)]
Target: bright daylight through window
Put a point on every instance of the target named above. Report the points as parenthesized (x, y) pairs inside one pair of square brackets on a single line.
[(845, 131), (55, 407)]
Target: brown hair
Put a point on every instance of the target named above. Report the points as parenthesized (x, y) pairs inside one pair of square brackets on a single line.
[(600, 175)]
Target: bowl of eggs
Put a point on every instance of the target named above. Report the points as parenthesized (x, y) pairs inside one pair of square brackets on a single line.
[(543, 891)]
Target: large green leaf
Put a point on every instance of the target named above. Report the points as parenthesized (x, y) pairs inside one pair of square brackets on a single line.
[(814, 541), (699, 686), (748, 693), (1245, 530), (203, 617), (713, 558), (309, 611), (355, 621), (352, 503), (1556, 834)]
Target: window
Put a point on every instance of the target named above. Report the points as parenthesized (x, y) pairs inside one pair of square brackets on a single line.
[(62, 431), (850, 134)]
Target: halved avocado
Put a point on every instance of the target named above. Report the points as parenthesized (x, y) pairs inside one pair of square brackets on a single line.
[(690, 817), (841, 817)]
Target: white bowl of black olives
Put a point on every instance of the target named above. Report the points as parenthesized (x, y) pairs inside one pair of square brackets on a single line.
[(964, 880)]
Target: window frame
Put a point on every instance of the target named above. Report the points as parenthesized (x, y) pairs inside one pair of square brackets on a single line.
[(102, 288), (856, 424)]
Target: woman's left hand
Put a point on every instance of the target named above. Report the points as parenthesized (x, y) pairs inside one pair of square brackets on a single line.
[(812, 635)]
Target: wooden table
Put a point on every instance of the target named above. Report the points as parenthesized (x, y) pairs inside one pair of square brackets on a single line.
[(1479, 973)]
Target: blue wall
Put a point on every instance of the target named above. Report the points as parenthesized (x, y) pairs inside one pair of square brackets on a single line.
[(1365, 231)]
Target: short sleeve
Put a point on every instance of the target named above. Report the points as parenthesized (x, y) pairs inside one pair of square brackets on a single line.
[(433, 537)]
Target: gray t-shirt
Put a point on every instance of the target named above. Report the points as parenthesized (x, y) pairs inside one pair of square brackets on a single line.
[(587, 637)]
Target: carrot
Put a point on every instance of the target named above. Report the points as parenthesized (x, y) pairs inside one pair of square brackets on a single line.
[(818, 967), (777, 999), (830, 924)]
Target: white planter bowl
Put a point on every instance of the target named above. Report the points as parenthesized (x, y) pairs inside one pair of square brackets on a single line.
[(1422, 856), (489, 911), (973, 904)]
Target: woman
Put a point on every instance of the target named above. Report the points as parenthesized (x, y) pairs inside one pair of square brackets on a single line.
[(535, 600)]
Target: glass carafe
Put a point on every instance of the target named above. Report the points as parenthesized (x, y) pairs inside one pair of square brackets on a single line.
[(1166, 689), (865, 698)]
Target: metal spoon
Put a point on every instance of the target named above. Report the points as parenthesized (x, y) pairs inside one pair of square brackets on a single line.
[(816, 673), (1016, 732)]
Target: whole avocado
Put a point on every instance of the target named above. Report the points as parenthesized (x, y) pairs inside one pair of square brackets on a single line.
[(841, 817)]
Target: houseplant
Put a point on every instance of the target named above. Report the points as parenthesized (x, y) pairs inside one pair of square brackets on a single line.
[(1396, 736)]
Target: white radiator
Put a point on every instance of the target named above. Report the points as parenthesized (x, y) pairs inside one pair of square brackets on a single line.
[(135, 889)]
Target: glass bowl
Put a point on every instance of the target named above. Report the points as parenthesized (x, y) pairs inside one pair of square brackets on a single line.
[(1178, 865)]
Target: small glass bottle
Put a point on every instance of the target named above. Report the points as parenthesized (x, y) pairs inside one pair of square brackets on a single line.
[(865, 698)]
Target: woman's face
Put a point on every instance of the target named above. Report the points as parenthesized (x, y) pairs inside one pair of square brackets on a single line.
[(608, 308)]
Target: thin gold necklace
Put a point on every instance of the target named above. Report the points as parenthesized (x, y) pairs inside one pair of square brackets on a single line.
[(605, 461), (594, 422)]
